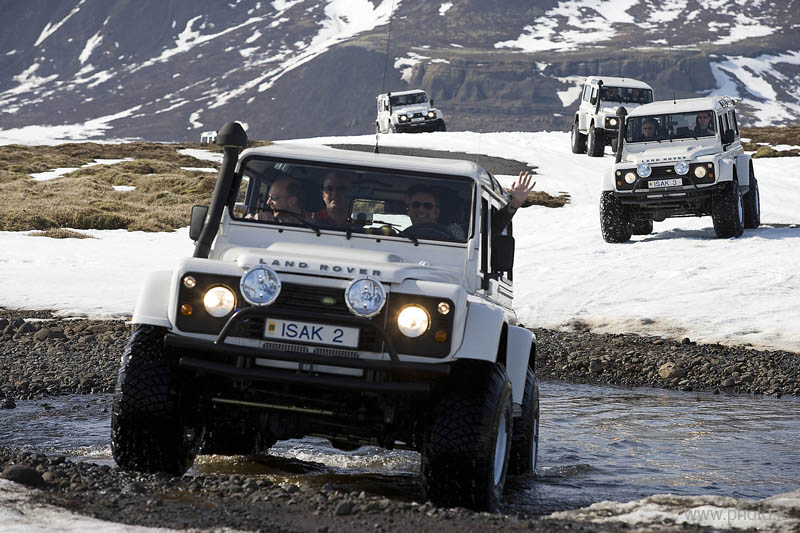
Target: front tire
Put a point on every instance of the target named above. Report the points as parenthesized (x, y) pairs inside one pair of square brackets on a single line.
[(752, 205), (615, 221), (727, 211), (577, 139), (525, 438), (597, 141), (465, 456), (149, 431)]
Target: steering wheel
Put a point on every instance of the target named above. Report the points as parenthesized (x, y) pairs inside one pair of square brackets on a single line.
[(427, 230)]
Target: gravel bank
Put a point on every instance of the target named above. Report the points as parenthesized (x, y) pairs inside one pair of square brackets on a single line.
[(41, 355)]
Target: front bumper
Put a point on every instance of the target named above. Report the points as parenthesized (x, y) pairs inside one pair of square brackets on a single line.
[(413, 127), (686, 200), (237, 362)]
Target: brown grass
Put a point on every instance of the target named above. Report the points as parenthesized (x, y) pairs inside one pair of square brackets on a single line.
[(547, 200), (60, 233), (85, 199), (773, 136)]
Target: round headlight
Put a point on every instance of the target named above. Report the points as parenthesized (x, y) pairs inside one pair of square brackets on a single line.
[(219, 301), (700, 172), (630, 177), (413, 321), (260, 285), (612, 122), (431, 114), (403, 118), (365, 297), (681, 168), (644, 170)]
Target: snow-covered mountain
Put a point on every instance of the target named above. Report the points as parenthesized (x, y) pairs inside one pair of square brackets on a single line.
[(297, 68)]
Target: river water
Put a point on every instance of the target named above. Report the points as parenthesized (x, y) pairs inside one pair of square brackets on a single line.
[(596, 443)]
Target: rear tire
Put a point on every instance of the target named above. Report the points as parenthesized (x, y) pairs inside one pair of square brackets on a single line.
[(149, 432), (578, 140), (525, 438), (642, 227), (727, 211), (465, 456), (752, 205), (597, 142), (615, 221)]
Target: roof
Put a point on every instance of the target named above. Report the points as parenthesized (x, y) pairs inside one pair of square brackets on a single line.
[(326, 154), (412, 91), (686, 105), (619, 82)]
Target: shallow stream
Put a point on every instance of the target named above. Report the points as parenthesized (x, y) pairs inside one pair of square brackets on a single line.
[(597, 443)]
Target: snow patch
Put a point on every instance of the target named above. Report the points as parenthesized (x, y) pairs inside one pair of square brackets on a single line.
[(93, 42), (444, 8), (50, 30)]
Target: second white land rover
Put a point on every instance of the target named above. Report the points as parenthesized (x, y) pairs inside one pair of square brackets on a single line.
[(679, 158), (595, 124), (407, 112)]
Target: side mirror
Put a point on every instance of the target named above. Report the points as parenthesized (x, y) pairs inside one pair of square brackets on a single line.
[(502, 253), (728, 136), (198, 220), (431, 102)]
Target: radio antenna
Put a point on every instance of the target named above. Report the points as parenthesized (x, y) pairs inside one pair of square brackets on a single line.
[(385, 67)]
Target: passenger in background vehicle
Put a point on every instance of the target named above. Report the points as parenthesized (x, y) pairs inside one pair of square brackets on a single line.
[(338, 198), (649, 129), (703, 124), (284, 200)]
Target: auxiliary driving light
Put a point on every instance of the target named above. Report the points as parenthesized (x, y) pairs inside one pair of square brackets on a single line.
[(681, 168), (413, 321), (260, 285), (644, 170), (365, 297), (219, 301)]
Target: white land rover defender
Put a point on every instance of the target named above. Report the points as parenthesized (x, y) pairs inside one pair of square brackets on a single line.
[(376, 331), (679, 158), (407, 112), (596, 123)]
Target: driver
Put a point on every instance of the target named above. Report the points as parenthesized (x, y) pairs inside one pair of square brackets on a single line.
[(284, 200)]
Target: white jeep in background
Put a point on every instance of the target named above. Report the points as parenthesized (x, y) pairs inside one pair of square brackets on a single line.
[(596, 124), (371, 331), (670, 164), (407, 112)]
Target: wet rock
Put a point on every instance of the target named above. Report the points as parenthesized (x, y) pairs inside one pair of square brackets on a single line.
[(7, 403), (49, 333), (671, 370), (23, 474)]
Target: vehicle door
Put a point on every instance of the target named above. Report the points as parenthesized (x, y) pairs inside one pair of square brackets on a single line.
[(586, 108), (496, 282)]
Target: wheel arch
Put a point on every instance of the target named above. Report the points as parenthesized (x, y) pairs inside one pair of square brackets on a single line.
[(483, 333), (152, 304), (520, 347)]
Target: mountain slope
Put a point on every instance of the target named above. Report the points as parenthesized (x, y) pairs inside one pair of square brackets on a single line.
[(298, 68)]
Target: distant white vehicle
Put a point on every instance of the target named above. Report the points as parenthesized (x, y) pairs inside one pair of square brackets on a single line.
[(679, 158), (596, 124), (407, 112), (208, 137)]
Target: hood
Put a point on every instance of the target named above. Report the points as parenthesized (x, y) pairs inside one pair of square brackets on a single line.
[(606, 109), (410, 109), (668, 152), (332, 261)]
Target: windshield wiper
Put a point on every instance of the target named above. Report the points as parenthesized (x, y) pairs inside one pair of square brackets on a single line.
[(398, 233), (302, 220)]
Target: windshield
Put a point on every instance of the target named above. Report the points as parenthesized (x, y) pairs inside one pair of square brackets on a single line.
[(671, 126), (408, 99), (355, 200), (625, 95)]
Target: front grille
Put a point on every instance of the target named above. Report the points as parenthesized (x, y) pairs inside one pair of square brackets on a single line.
[(306, 298), (418, 115)]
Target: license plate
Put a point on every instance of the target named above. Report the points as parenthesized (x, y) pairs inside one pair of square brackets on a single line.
[(418, 119), (674, 182), (292, 330)]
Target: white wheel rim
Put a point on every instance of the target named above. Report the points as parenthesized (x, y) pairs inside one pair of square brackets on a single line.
[(500, 449)]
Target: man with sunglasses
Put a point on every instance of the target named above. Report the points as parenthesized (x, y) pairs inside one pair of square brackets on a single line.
[(338, 198)]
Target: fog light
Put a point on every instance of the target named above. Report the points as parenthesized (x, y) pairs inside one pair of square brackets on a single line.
[(186, 310)]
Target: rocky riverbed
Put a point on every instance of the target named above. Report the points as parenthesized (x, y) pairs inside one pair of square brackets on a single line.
[(42, 355)]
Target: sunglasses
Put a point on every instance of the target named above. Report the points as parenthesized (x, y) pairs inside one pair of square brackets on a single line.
[(331, 188), (426, 205)]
